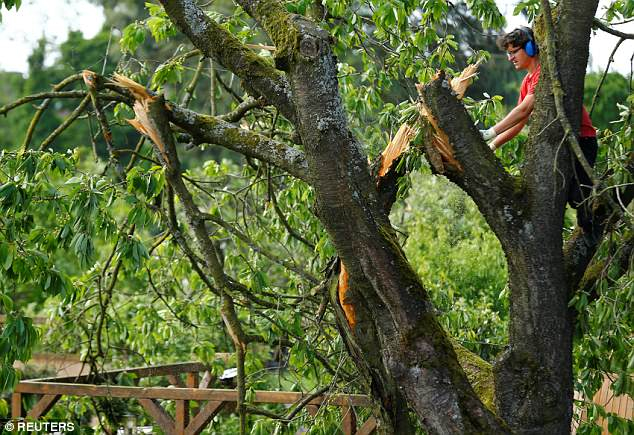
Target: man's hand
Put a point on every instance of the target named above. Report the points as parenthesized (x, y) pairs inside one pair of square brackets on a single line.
[(493, 146), (489, 134)]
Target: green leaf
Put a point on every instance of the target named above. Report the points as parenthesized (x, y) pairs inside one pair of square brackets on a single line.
[(133, 36), (7, 302), (6, 257)]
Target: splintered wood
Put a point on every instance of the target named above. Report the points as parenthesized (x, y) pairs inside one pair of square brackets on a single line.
[(342, 289), (439, 153), (397, 146), (439, 150), (143, 123)]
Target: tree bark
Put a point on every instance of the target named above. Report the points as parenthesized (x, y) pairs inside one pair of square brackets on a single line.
[(415, 353), (533, 378), (395, 336)]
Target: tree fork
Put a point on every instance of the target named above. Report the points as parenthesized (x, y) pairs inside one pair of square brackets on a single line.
[(416, 353)]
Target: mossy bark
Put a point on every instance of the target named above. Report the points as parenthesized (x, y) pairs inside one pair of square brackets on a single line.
[(397, 340), (259, 77), (533, 378), (397, 335)]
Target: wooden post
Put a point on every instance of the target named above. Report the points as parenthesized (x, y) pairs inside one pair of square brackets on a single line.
[(182, 406), (191, 380), (349, 422), (312, 410), (16, 405), (175, 380), (181, 418)]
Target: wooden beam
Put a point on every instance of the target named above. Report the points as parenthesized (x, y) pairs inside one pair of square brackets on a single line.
[(368, 428), (349, 420), (159, 415), (141, 372), (312, 410), (43, 406), (206, 379), (16, 405), (222, 395), (202, 419)]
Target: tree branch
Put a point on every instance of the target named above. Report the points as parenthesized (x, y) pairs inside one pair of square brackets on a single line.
[(209, 129), (603, 26), (50, 95), (558, 91), (605, 73), (581, 247), (274, 258), (483, 177), (67, 122), (43, 106), (259, 77)]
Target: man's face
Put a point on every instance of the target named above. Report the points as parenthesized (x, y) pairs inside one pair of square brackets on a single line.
[(518, 56)]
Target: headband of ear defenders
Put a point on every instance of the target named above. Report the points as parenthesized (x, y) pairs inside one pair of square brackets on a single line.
[(530, 47)]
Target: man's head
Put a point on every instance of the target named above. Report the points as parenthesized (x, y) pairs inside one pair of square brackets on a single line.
[(520, 47)]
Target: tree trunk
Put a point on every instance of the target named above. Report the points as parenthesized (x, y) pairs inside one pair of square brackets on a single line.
[(393, 333)]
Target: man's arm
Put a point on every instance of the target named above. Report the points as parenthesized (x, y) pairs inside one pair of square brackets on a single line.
[(520, 113), (507, 135)]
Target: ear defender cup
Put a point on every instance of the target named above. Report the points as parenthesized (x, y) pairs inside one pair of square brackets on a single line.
[(530, 47)]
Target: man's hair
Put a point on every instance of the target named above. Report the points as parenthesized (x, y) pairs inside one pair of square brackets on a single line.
[(517, 38)]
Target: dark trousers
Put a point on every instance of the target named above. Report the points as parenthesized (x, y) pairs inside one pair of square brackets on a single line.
[(581, 185)]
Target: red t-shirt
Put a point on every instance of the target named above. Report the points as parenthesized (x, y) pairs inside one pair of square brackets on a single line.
[(528, 87)]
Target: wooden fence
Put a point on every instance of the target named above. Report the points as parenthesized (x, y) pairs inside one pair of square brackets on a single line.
[(182, 391), (623, 406)]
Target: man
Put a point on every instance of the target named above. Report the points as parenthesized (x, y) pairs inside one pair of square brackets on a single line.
[(522, 50)]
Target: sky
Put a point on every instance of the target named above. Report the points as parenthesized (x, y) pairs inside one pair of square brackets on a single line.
[(57, 17)]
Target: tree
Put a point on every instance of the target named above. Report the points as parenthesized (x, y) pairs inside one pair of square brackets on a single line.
[(383, 312)]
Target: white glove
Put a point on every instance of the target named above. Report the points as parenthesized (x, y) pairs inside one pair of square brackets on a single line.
[(488, 134)]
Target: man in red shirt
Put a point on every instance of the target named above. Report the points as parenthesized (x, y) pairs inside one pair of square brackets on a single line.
[(522, 50)]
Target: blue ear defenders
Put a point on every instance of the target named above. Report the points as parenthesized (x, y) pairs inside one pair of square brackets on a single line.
[(530, 47)]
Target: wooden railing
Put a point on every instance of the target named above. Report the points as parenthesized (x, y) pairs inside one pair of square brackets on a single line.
[(182, 392)]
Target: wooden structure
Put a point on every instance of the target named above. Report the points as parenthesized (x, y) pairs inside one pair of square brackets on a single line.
[(623, 406), (186, 385)]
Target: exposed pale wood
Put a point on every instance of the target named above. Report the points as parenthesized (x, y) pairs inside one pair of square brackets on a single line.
[(349, 420), (397, 146), (202, 419), (287, 397), (43, 405), (368, 428), (342, 290), (16, 405), (159, 415)]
